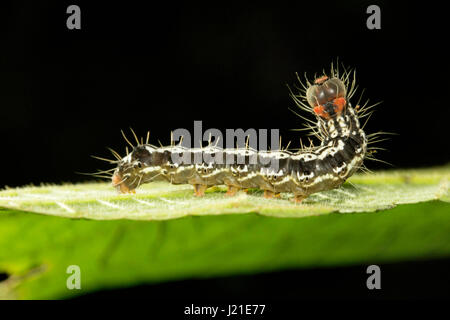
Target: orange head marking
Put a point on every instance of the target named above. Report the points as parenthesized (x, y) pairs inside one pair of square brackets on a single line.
[(339, 104), (327, 97), (320, 111), (330, 109), (321, 80)]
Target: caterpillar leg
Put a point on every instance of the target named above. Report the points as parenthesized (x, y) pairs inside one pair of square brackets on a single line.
[(269, 194), (232, 190), (199, 190), (298, 198)]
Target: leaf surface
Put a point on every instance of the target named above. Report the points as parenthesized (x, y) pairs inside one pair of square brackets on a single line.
[(162, 201), (36, 249)]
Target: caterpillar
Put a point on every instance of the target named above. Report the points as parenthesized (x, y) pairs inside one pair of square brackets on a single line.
[(342, 150)]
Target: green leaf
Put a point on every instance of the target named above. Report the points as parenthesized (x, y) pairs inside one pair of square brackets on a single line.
[(161, 201), (36, 249)]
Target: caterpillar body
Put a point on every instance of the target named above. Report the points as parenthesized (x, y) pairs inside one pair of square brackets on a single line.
[(341, 152)]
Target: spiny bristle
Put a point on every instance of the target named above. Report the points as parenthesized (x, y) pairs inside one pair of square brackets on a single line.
[(104, 159), (135, 136), (95, 174), (105, 171), (363, 168), (377, 141), (115, 154), (303, 117), (298, 99), (376, 148), (287, 146), (363, 111), (126, 139), (379, 133), (367, 120), (368, 157)]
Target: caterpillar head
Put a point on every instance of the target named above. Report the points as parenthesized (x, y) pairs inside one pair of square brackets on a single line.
[(327, 97), (134, 169)]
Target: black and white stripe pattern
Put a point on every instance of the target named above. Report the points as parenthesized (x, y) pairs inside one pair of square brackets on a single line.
[(341, 152)]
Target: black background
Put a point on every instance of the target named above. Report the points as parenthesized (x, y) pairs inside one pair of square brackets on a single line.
[(65, 94)]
